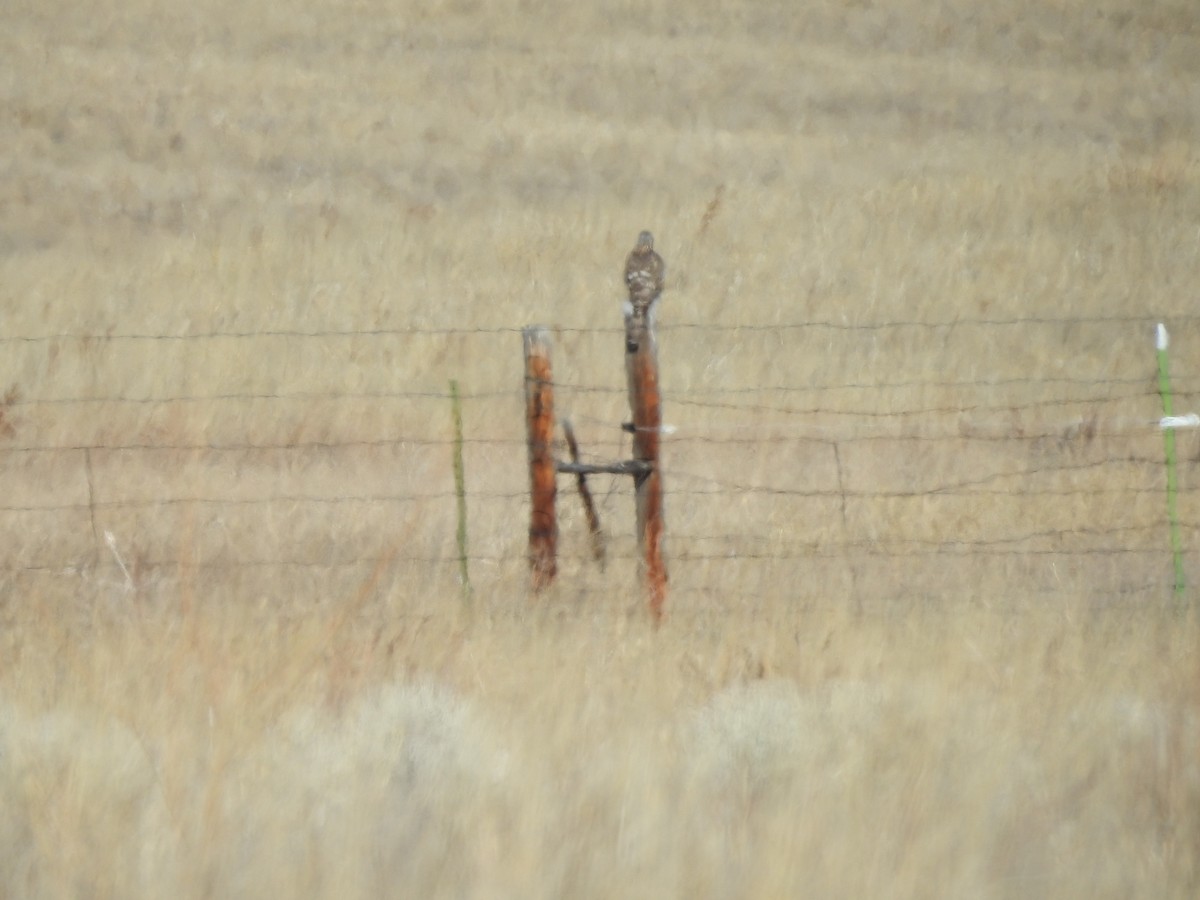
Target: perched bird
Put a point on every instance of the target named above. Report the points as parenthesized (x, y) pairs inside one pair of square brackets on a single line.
[(644, 270)]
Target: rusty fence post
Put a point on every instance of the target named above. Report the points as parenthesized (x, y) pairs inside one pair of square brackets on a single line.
[(644, 277), (539, 422), (641, 367)]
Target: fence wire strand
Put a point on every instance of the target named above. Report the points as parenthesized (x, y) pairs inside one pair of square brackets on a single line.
[(1085, 431)]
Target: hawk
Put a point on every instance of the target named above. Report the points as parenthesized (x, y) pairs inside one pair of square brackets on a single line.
[(644, 272)]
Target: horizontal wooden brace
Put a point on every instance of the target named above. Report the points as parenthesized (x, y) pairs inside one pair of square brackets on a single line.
[(626, 467)]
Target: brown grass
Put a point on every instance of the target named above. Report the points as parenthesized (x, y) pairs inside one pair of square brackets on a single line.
[(920, 642)]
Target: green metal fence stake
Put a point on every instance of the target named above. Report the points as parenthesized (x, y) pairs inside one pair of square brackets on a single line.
[(1168, 429), (460, 491)]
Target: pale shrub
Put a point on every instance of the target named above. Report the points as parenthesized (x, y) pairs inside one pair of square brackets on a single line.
[(81, 810), (403, 793)]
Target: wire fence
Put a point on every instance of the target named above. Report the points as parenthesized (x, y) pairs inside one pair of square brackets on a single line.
[(928, 478)]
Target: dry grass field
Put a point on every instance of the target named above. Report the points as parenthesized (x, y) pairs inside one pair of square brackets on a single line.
[(921, 640)]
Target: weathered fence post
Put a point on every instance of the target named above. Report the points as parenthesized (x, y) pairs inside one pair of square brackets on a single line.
[(585, 494), (644, 271), (539, 422), (641, 366)]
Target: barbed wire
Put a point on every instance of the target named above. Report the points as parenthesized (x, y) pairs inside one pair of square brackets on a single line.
[(474, 496), (664, 326), (1067, 412), (746, 435), (829, 551), (685, 396)]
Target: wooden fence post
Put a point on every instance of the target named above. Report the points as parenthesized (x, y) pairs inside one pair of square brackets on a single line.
[(585, 494), (539, 422), (641, 367)]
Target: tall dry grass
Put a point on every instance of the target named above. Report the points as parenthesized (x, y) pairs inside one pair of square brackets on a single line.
[(942, 750), (808, 722)]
